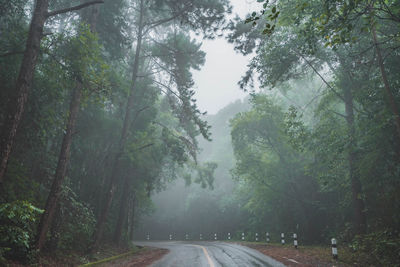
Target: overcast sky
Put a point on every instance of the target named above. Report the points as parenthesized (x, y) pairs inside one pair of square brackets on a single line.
[(216, 83)]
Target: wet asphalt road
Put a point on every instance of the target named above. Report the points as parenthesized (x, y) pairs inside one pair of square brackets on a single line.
[(209, 254)]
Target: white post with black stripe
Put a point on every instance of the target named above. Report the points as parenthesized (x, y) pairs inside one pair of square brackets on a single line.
[(334, 248), (267, 237), (170, 237), (243, 236), (148, 237), (295, 240), (283, 238), (215, 236), (229, 236), (186, 236), (201, 237), (256, 237)]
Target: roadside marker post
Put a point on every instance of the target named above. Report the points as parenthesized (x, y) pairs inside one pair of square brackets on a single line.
[(215, 236), (186, 236), (295, 240), (334, 248), (201, 237), (229, 236), (243, 236), (267, 238), (256, 237), (148, 237), (282, 238)]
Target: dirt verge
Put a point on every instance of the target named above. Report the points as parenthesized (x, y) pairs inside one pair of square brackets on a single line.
[(301, 257)]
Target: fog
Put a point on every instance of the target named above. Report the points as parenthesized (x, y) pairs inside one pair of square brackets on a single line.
[(216, 82), (184, 208), (127, 120)]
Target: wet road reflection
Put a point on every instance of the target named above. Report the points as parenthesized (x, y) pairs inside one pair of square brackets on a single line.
[(209, 254)]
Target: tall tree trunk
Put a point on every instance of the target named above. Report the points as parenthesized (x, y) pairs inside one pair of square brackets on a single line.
[(127, 120), (132, 218), (122, 210), (16, 105), (63, 160), (389, 95), (64, 156), (55, 230), (356, 190)]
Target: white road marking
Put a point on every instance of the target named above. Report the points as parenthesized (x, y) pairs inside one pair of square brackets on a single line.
[(292, 260)]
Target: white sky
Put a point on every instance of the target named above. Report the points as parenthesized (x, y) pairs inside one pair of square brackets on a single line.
[(216, 83)]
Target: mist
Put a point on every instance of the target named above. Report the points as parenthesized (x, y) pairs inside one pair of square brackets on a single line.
[(199, 133)]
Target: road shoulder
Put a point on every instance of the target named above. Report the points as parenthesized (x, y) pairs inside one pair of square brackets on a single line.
[(141, 258), (291, 257)]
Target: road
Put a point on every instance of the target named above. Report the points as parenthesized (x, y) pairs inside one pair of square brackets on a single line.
[(209, 254)]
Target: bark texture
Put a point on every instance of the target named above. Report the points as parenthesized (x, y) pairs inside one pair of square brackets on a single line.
[(389, 95), (127, 121), (356, 189), (59, 176), (131, 223), (123, 207), (16, 105)]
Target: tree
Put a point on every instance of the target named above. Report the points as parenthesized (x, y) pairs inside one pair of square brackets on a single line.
[(150, 17), (277, 185), (331, 39), (24, 80), (85, 67)]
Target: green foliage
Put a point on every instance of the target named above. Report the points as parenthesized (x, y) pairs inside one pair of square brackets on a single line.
[(295, 129), (17, 221), (344, 136), (380, 248), (279, 191), (269, 13), (80, 57), (182, 54), (92, 49), (74, 226)]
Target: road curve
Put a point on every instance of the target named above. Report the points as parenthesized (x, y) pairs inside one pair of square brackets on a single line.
[(209, 254)]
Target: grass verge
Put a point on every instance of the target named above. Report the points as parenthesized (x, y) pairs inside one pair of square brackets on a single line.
[(113, 258)]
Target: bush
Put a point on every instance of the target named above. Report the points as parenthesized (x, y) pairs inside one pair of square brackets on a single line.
[(17, 227), (75, 222), (380, 248)]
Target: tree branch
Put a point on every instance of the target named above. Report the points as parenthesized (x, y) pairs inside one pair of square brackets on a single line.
[(168, 88), (320, 76), (339, 114), (74, 8), (154, 24), (145, 146)]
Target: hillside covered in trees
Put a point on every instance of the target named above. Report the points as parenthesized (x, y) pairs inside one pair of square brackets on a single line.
[(102, 140)]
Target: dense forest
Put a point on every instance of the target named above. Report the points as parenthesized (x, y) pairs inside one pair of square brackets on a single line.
[(97, 112), (98, 116)]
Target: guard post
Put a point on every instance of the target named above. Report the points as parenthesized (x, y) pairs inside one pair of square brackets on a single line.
[(334, 249)]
